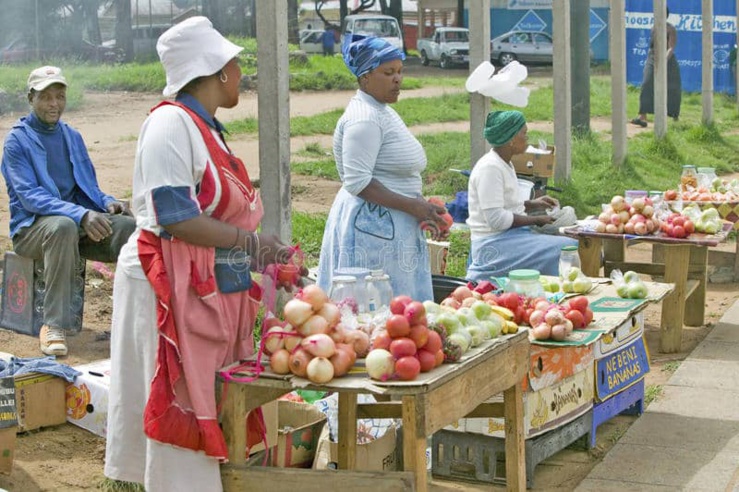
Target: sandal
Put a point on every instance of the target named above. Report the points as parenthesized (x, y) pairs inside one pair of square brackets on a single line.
[(640, 122)]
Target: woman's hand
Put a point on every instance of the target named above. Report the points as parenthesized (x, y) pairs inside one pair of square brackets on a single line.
[(543, 203), (430, 217)]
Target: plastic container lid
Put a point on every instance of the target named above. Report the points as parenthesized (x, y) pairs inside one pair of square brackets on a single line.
[(706, 170), (523, 274), (356, 272), (568, 248), (688, 166), (343, 278)]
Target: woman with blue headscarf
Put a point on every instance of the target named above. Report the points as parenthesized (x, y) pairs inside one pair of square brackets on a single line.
[(375, 220), (502, 239)]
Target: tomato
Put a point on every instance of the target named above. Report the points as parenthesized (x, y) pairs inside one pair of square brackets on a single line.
[(579, 303), (671, 195), (419, 334), (398, 304), (678, 231), (400, 347), (382, 341), (397, 326), (407, 368), (577, 318), (427, 360), (678, 221), (509, 300), (689, 227), (433, 344), (588, 316), (288, 274)]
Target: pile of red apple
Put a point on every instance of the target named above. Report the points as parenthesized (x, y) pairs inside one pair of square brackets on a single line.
[(406, 347), (677, 225), (311, 342), (620, 217), (554, 322)]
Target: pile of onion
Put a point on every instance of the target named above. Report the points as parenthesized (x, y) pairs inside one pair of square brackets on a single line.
[(311, 342)]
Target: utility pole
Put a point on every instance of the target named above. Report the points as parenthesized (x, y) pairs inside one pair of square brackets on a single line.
[(580, 46)]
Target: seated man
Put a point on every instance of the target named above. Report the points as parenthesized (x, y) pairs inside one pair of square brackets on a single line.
[(57, 210), (499, 220)]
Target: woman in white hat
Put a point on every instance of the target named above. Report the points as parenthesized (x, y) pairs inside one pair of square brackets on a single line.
[(178, 313)]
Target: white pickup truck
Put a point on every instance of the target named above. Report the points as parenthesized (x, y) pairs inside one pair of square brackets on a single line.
[(449, 46)]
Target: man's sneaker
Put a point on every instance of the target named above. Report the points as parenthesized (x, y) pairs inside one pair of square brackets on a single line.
[(53, 341)]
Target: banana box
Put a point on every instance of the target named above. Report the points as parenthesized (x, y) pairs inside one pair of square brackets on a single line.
[(621, 368), (549, 365), (621, 336), (87, 397), (547, 408)]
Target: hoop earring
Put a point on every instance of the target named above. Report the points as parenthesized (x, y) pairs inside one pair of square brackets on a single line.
[(223, 77)]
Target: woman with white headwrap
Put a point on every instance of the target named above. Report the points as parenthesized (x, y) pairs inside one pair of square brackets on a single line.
[(375, 221), (176, 318), (502, 239)]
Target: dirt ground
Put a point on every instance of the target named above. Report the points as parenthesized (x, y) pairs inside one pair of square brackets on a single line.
[(69, 458)]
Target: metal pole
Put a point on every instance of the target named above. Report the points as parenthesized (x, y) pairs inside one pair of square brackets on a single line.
[(38, 34)]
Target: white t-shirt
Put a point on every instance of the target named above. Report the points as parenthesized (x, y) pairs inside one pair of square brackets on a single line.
[(170, 155), (493, 185)]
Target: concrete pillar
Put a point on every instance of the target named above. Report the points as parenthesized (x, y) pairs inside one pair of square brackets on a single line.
[(617, 47), (562, 89), (707, 58), (420, 30), (273, 106), (479, 15), (580, 53), (660, 69), (736, 63)]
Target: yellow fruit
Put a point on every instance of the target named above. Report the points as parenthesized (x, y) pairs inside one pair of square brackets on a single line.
[(506, 313), (511, 327)]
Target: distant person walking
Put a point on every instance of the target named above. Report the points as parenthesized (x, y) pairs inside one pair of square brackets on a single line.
[(329, 40), (674, 83)]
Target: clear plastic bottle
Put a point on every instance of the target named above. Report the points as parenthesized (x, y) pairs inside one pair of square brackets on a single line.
[(379, 291), (706, 175), (343, 289), (569, 257)]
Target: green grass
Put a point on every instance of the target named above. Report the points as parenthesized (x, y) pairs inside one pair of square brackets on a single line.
[(109, 485), (671, 367), (652, 393), (308, 231)]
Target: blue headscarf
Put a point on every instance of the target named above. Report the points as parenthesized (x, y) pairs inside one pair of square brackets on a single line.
[(363, 54)]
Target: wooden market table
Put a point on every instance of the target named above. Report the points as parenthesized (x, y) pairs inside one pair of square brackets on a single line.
[(685, 265), (434, 400)]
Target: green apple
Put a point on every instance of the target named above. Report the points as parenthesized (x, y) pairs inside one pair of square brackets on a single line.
[(481, 309), (631, 277), (494, 325), (582, 284), (637, 290), (573, 273), (478, 334), (466, 316), (449, 321), (431, 307), (622, 290), (567, 286)]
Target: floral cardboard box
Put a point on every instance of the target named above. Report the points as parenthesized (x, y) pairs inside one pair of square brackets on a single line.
[(87, 397), (299, 426), (547, 408), (8, 423)]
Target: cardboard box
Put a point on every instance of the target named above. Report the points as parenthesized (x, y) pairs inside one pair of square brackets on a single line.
[(87, 398), (622, 335), (299, 426), (545, 409), (269, 412), (378, 455), (550, 365), (8, 423), (39, 400), (535, 164), (621, 369), (7, 449), (438, 251)]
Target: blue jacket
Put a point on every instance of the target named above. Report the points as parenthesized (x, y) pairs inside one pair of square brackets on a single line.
[(31, 190)]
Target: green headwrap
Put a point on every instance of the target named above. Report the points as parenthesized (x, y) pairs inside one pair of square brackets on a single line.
[(502, 126)]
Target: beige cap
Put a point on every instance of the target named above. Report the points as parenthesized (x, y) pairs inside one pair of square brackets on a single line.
[(192, 49), (43, 77)]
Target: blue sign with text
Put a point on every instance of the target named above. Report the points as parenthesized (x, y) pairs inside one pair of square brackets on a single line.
[(596, 25), (688, 21), (621, 369), (530, 22)]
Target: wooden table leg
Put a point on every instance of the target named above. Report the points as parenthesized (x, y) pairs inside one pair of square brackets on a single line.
[(347, 431), (677, 258), (414, 439), (590, 251), (695, 305), (614, 250), (736, 261), (515, 459)]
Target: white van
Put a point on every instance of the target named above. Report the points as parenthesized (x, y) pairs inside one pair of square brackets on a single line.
[(381, 26)]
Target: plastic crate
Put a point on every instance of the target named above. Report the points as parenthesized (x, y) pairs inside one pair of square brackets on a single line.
[(480, 458), (23, 295)]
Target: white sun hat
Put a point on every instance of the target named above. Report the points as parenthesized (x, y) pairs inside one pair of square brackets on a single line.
[(43, 77), (192, 49)]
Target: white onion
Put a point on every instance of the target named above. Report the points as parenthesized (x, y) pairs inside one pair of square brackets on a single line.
[(313, 326), (314, 295), (273, 340), (320, 345), (330, 312), (297, 312), (320, 370), (380, 364), (280, 362)]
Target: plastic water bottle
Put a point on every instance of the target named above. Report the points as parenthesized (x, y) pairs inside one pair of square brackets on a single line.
[(379, 291)]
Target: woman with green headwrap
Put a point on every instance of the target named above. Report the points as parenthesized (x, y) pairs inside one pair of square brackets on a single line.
[(502, 239)]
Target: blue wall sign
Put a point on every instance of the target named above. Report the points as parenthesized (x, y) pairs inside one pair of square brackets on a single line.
[(597, 25), (687, 19), (530, 22), (529, 4)]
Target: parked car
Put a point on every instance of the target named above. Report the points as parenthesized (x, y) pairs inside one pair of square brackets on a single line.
[(311, 41), (22, 50), (525, 46), (448, 45), (382, 26)]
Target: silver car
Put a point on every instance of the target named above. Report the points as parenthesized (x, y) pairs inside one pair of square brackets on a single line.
[(524, 46)]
